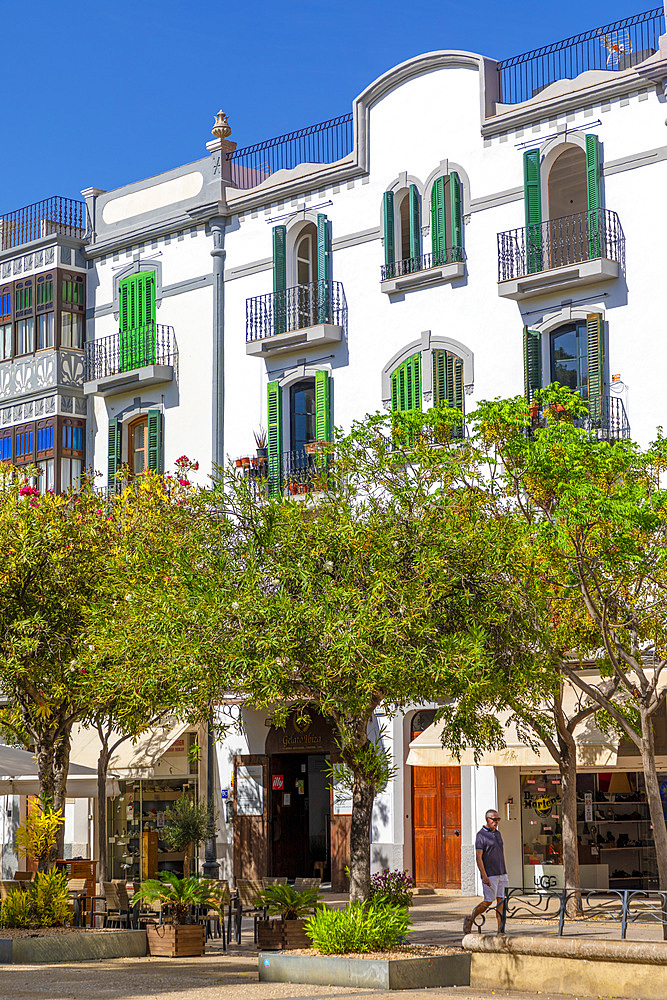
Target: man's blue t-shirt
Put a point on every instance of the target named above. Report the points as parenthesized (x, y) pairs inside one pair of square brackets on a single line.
[(490, 843)]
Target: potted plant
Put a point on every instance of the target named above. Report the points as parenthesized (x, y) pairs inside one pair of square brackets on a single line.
[(292, 910), (262, 443), (187, 824), (184, 937)]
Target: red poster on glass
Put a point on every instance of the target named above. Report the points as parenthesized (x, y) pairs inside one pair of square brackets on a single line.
[(278, 782)]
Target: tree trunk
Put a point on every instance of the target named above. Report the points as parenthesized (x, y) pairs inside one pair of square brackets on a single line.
[(102, 768), (568, 777), (60, 771), (653, 796), (363, 795)]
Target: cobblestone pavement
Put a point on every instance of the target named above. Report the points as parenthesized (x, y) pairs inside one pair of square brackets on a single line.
[(212, 977)]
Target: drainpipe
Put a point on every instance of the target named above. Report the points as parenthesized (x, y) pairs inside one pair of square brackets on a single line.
[(216, 227)]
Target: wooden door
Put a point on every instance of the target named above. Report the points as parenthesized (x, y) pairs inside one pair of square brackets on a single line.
[(251, 815), (436, 825)]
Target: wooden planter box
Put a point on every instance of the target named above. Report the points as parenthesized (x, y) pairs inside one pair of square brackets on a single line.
[(281, 935), (176, 940)]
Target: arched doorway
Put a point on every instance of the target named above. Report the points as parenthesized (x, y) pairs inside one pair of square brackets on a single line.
[(568, 208), (305, 266), (436, 818)]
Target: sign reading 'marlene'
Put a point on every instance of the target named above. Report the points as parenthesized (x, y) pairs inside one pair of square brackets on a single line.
[(307, 733)]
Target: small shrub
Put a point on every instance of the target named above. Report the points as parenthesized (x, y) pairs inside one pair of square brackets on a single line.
[(48, 899), (36, 836), (287, 902), (15, 909), (392, 887), (360, 927)]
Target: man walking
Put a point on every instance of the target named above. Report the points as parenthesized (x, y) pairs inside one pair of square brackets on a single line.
[(491, 863)]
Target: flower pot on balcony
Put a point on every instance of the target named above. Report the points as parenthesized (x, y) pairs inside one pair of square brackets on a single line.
[(310, 448), (262, 454), (239, 463), (245, 462), (534, 412), (254, 462), (281, 935), (176, 940)]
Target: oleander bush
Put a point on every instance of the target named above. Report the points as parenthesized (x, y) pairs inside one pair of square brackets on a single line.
[(360, 927), (15, 910), (391, 887)]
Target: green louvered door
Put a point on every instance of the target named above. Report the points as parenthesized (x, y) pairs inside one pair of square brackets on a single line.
[(456, 222), (323, 270), (155, 441), (115, 459), (322, 406), (274, 438), (389, 234), (279, 279), (406, 385), (438, 222), (532, 363), (136, 307), (595, 359), (415, 229), (594, 195), (533, 209), (448, 383)]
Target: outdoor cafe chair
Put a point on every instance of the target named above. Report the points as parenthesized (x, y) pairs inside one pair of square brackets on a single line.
[(247, 891), (301, 884), (274, 880), (7, 885), (117, 905), (213, 918), (76, 891)]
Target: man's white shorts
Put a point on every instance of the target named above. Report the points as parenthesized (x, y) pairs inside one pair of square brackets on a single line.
[(497, 888)]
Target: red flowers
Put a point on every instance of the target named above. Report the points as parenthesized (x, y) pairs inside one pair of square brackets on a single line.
[(28, 491)]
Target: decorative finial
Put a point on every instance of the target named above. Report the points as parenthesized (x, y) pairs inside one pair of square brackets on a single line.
[(221, 129)]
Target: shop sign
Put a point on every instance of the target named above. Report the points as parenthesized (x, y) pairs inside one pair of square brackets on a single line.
[(278, 782)]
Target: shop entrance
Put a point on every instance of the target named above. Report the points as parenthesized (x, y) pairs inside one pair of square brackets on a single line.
[(436, 819), (300, 815)]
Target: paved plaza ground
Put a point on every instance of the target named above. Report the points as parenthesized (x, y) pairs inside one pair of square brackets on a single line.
[(233, 976)]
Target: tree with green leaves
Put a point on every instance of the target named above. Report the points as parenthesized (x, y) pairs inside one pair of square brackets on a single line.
[(596, 518)]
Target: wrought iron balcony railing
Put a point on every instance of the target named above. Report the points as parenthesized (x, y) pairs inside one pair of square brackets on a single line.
[(62, 216), (152, 344), (607, 420), (616, 46), (560, 243), (325, 142), (295, 473), (412, 265), (295, 309)]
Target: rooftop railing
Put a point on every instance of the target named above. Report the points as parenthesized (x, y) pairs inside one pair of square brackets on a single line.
[(325, 142), (560, 243), (61, 216), (616, 46)]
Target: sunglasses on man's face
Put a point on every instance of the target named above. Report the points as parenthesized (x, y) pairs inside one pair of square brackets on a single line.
[(494, 819)]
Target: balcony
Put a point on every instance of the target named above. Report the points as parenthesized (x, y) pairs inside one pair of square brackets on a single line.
[(53, 216), (420, 272), (609, 422), (137, 359), (298, 473), (577, 250), (309, 315)]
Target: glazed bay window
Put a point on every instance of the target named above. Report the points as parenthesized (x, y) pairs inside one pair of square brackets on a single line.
[(25, 336), (45, 331), (71, 330), (5, 341), (71, 454)]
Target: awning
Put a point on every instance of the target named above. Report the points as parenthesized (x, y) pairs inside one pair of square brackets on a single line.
[(18, 776), (133, 758)]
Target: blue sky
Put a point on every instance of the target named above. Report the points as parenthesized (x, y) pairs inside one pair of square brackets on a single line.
[(102, 94)]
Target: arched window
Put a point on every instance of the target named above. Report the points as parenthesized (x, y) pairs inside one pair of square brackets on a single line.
[(446, 221), (433, 376), (576, 359), (138, 446), (402, 233), (301, 276)]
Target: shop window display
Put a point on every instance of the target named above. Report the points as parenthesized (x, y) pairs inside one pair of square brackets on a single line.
[(614, 831)]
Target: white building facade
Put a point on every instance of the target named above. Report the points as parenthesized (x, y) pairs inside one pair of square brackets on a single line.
[(471, 230)]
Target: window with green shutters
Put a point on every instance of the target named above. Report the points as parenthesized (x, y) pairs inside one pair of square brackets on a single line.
[(533, 210), (323, 269), (115, 459), (446, 220), (389, 229), (155, 440), (274, 438), (532, 363), (448, 383), (136, 307), (406, 385), (279, 279), (322, 406), (595, 359), (594, 196)]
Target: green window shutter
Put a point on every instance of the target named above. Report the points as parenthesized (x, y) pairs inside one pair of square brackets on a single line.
[(456, 223), (114, 454), (594, 195), (533, 209), (322, 428), (532, 363), (323, 270), (406, 385), (136, 313), (595, 358), (415, 229), (438, 223), (155, 441), (439, 392), (394, 392), (389, 234), (279, 279), (274, 438)]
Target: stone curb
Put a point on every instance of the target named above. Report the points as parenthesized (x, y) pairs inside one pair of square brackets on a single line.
[(642, 952)]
